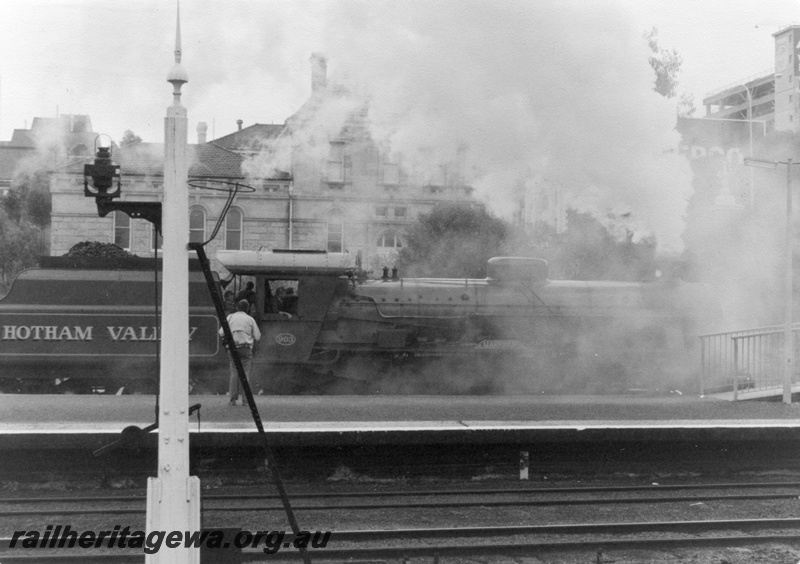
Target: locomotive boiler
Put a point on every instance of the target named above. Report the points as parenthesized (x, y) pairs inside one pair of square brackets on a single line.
[(327, 330)]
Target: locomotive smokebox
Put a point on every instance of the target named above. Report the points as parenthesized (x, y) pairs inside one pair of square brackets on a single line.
[(505, 270)]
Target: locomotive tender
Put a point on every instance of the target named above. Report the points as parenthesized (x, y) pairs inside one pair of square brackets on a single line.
[(94, 326)]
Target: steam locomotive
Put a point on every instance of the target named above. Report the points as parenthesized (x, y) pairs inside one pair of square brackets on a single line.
[(93, 326)]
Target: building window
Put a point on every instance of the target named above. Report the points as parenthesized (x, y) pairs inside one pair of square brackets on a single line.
[(197, 225), (122, 230), (390, 240), (400, 212), (268, 187), (336, 163), (381, 211), (391, 171), (335, 231), (233, 230), (438, 176), (156, 240)]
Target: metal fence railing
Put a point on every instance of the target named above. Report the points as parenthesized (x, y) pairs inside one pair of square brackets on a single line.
[(753, 77), (751, 360)]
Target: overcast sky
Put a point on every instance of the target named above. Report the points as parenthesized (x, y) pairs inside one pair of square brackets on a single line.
[(249, 59)]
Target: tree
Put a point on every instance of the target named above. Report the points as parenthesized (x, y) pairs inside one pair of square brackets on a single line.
[(666, 64), (453, 240), (12, 205), (129, 138), (29, 197), (588, 250), (19, 249), (686, 107)]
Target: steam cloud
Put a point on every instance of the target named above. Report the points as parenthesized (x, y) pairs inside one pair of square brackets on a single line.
[(545, 92)]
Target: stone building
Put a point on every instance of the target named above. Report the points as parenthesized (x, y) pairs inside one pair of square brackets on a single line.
[(47, 143), (317, 181), (74, 218)]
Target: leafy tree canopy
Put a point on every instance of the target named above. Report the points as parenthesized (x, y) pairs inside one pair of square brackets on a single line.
[(666, 64), (454, 241), (19, 249), (588, 250), (129, 138), (29, 198)]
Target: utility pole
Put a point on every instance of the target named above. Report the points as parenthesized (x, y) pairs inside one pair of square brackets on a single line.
[(173, 498), (788, 336)]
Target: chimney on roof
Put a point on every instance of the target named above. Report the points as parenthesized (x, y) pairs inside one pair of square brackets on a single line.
[(319, 72), (239, 123), (202, 129)]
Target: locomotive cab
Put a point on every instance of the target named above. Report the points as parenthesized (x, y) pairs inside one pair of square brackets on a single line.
[(294, 293)]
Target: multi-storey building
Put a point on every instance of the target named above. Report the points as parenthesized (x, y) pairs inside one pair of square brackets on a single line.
[(314, 182), (738, 116), (47, 143), (769, 97)]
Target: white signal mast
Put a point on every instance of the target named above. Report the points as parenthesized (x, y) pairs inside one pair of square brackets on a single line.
[(173, 498)]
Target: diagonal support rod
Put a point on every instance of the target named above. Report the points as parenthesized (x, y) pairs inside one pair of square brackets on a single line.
[(248, 393)]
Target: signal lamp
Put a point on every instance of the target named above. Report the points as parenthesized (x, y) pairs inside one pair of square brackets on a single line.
[(102, 174)]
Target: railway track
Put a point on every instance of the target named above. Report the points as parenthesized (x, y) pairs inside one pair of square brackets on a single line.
[(433, 492), (596, 538), (448, 498), (458, 521)]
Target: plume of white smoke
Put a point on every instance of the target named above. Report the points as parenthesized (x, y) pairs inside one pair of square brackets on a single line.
[(559, 91)]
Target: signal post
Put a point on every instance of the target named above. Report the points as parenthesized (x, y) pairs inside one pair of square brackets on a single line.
[(173, 498)]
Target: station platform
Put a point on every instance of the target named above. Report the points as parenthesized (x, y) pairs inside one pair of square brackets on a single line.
[(91, 421)]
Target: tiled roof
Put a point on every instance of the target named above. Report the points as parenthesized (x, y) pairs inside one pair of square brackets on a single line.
[(148, 159), (69, 140), (22, 138), (211, 160), (66, 123), (253, 138)]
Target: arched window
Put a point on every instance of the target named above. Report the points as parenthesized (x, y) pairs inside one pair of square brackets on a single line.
[(197, 225), (389, 240), (80, 149), (335, 231), (122, 230), (233, 230)]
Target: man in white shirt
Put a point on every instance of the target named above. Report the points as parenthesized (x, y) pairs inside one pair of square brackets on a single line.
[(245, 334)]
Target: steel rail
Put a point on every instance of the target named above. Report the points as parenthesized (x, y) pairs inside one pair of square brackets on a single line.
[(692, 527), (422, 493), (417, 505), (565, 529), (470, 550), (439, 550)]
